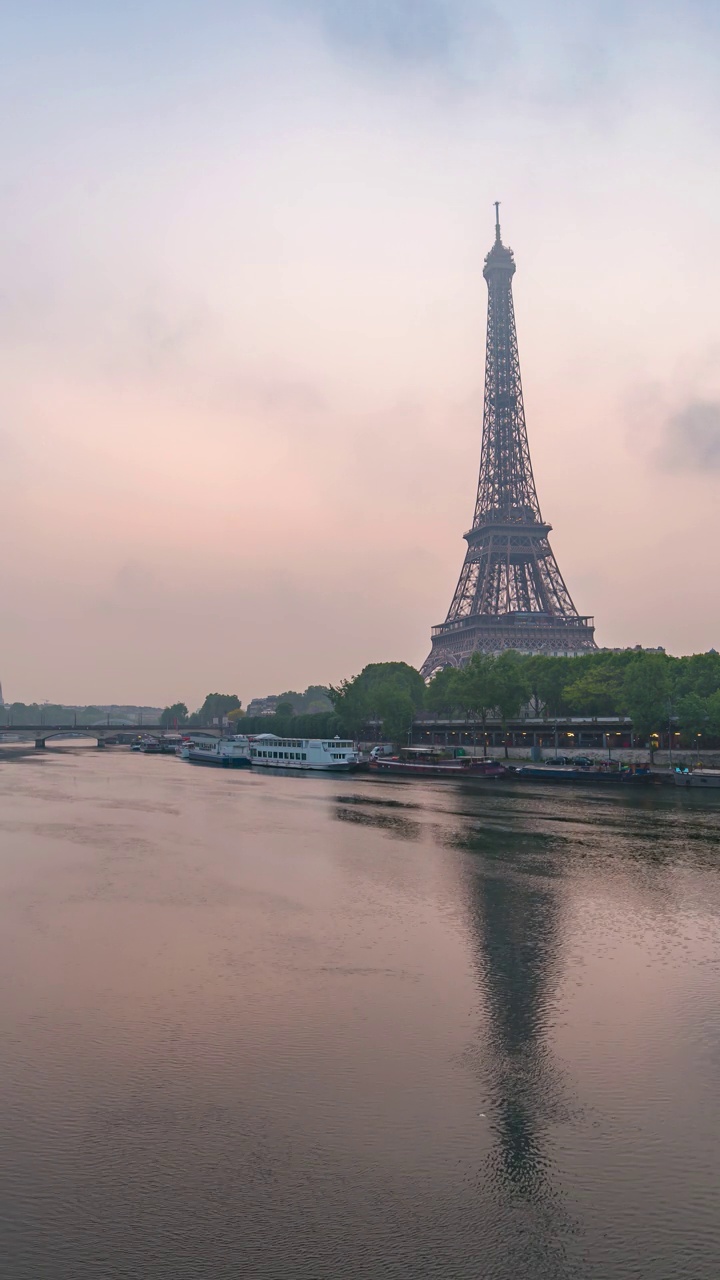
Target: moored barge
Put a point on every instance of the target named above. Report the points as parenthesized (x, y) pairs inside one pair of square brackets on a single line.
[(422, 762)]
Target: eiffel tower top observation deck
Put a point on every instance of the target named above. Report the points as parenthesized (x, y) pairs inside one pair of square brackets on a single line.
[(510, 594)]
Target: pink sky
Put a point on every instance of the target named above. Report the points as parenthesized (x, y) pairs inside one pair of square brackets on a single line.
[(242, 332)]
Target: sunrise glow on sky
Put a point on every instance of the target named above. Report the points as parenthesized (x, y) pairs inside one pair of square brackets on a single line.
[(243, 322)]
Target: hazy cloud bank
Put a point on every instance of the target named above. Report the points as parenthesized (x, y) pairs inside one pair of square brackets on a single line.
[(692, 437)]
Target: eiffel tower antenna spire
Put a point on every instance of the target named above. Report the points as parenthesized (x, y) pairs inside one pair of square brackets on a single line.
[(510, 594)]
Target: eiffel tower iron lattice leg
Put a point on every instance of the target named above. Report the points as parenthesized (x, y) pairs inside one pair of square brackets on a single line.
[(510, 594)]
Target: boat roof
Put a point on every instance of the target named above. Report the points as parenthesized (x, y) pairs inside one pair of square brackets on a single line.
[(272, 739)]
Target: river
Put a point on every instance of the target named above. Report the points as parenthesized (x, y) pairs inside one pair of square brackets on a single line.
[(337, 1028)]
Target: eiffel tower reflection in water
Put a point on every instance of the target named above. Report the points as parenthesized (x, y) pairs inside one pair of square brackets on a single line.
[(516, 933)]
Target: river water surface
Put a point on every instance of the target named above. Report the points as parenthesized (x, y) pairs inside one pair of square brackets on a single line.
[(310, 1028)]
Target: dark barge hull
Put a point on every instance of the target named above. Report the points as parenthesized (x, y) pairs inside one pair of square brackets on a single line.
[(599, 777), (398, 769)]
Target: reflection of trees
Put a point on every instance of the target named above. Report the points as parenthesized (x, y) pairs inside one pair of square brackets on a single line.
[(394, 824), (515, 910)]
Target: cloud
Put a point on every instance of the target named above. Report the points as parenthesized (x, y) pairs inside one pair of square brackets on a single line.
[(692, 437), (413, 31), (410, 34)]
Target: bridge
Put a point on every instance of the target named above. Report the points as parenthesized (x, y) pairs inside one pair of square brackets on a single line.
[(104, 734)]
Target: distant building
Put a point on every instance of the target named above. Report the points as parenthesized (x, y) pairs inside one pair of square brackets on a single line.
[(314, 701), (634, 648), (263, 706)]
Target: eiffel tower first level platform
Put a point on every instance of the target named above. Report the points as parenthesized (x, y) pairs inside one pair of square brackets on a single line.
[(511, 594)]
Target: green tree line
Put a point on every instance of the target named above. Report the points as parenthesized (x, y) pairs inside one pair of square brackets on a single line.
[(656, 691)]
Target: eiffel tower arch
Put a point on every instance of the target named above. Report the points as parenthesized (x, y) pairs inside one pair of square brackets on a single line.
[(511, 593)]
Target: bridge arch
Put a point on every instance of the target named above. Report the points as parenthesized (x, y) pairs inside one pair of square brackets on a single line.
[(42, 736)]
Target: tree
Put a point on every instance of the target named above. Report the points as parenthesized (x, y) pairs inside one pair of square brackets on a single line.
[(595, 692), (646, 692), (396, 710), (713, 713), (316, 700), (699, 673), (444, 692), (284, 709), (547, 678), (377, 688), (292, 697), (21, 713), (237, 714), (215, 707), (511, 687), (477, 687), (53, 713), (175, 716), (694, 714)]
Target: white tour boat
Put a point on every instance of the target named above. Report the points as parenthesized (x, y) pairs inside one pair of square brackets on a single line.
[(269, 752), (231, 753)]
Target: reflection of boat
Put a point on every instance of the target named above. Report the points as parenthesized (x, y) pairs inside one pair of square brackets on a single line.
[(229, 753), (424, 762), (698, 778), (271, 752), (635, 774)]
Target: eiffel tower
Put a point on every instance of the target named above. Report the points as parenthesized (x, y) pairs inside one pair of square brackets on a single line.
[(511, 594)]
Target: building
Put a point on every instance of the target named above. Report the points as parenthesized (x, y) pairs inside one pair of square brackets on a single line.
[(510, 594)]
